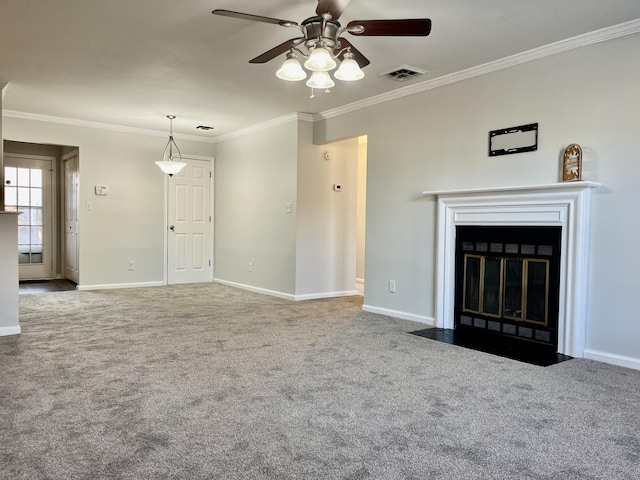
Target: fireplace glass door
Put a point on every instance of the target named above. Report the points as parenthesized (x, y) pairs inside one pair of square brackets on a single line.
[(507, 281), (513, 288)]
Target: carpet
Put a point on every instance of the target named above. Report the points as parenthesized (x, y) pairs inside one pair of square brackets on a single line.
[(211, 382)]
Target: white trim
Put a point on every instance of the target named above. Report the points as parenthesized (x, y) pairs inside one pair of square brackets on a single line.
[(53, 226), (566, 205), (598, 36), (305, 117), (113, 286), (101, 126), (401, 315), (613, 359), (264, 291), (548, 186), (6, 331), (316, 296)]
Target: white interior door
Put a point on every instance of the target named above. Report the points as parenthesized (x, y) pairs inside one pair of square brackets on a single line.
[(71, 269), (190, 227), (28, 189)]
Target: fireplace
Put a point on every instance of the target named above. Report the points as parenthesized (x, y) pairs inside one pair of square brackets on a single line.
[(564, 206), (507, 283)]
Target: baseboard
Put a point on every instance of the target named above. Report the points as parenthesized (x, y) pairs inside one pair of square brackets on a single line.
[(401, 315), (612, 358), (6, 331), (264, 291), (111, 286), (315, 296)]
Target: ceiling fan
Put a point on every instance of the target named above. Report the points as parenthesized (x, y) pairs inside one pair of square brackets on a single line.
[(321, 42)]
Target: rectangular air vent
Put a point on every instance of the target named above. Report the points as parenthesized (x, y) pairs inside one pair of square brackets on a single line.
[(403, 73)]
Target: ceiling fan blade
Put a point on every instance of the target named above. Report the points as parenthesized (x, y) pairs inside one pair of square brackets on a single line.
[(357, 56), (275, 51), (334, 7), (415, 27), (254, 18)]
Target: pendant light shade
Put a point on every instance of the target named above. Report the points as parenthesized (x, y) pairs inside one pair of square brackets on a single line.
[(172, 159), (320, 60), (291, 69), (320, 80), (349, 70)]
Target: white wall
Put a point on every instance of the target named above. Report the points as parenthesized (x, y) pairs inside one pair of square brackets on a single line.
[(437, 140), (326, 219), (9, 318), (128, 223), (255, 176)]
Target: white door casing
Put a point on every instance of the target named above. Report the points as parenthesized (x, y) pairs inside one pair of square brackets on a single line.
[(190, 224), (70, 221), (30, 179)]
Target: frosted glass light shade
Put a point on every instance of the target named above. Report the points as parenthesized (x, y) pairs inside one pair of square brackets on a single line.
[(349, 70), (170, 167), (320, 80), (320, 60), (291, 70)]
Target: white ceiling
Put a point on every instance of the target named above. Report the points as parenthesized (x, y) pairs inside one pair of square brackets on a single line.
[(132, 62)]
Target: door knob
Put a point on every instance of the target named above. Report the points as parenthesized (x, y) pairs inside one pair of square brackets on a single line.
[(172, 228)]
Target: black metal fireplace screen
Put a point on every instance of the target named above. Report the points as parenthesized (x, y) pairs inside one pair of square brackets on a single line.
[(507, 281)]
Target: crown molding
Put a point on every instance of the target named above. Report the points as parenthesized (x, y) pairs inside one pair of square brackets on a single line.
[(101, 126), (597, 36), (304, 117)]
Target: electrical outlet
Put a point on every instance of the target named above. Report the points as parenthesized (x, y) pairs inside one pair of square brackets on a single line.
[(131, 265), (250, 267), (392, 286)]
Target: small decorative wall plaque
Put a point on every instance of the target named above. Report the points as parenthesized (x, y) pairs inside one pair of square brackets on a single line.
[(572, 163)]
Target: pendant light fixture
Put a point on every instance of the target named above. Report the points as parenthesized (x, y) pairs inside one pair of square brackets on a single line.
[(172, 162)]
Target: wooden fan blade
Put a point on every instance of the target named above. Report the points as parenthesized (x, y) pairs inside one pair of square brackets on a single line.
[(275, 51), (415, 27), (334, 7), (357, 56), (254, 18)]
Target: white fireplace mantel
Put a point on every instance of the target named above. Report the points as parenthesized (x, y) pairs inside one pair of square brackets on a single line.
[(560, 204)]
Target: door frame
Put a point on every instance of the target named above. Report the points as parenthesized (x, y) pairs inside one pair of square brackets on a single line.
[(211, 161), (53, 201), (63, 237)]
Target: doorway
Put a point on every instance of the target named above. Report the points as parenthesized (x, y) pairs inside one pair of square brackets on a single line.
[(190, 223), (29, 184)]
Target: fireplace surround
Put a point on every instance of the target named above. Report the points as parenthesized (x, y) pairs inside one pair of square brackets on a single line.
[(564, 205)]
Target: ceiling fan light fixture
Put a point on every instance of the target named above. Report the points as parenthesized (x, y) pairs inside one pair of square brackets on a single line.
[(321, 81), (349, 70), (320, 60), (171, 163), (291, 70)]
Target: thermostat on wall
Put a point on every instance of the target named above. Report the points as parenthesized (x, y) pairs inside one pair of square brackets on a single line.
[(102, 190)]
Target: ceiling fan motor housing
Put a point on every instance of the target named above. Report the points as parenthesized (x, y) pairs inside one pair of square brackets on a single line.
[(318, 31)]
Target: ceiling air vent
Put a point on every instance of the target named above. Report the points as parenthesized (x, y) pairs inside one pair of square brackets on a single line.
[(403, 73)]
